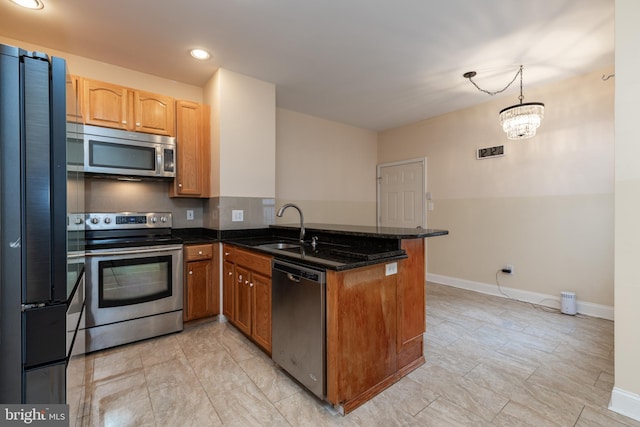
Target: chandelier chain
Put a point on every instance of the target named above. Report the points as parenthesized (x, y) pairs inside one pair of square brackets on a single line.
[(488, 92)]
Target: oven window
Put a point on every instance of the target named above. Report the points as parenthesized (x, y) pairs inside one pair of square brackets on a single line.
[(133, 281)]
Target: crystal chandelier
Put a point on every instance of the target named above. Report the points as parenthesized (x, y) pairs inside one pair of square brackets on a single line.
[(519, 121)]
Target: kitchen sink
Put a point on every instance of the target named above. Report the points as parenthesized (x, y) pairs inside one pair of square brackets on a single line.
[(280, 245)]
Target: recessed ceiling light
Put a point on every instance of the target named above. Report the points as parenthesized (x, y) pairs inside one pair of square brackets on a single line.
[(29, 4), (200, 54)]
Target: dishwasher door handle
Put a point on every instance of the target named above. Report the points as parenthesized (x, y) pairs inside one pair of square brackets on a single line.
[(293, 278)]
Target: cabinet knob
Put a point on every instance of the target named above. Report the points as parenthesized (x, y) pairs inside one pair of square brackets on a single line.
[(138, 124), (124, 122), (240, 278), (199, 252), (227, 253), (251, 285), (179, 185), (190, 271), (230, 274)]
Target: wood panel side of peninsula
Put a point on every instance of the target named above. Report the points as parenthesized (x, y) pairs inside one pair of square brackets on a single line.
[(375, 326)]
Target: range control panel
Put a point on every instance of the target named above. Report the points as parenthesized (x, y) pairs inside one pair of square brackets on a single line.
[(127, 220)]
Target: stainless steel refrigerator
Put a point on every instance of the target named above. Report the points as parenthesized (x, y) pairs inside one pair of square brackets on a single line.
[(33, 216)]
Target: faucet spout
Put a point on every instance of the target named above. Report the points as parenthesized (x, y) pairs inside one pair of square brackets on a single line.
[(291, 205)]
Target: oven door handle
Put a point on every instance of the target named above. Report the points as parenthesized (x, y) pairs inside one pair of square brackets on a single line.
[(133, 251)]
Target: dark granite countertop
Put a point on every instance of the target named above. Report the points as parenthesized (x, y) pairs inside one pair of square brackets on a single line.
[(340, 247), (193, 236), (326, 255), (369, 231)]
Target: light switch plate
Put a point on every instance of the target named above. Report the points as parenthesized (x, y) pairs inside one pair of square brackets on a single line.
[(189, 214), (237, 215)]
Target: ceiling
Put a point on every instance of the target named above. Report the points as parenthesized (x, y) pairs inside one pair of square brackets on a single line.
[(369, 63)]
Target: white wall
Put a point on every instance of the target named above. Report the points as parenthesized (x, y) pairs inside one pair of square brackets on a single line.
[(546, 207), (327, 168), (626, 393), (243, 135), (243, 151)]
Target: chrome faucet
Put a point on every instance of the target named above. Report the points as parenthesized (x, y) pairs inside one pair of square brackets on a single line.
[(291, 205)]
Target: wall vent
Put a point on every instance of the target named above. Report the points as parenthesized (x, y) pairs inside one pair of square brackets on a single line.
[(485, 153)]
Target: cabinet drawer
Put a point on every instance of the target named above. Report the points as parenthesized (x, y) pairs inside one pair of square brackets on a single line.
[(255, 262), (198, 252), (228, 253)]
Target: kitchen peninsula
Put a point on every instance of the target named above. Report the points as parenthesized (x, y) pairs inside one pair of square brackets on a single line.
[(375, 298)]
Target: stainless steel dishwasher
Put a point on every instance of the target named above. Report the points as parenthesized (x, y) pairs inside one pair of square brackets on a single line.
[(298, 324)]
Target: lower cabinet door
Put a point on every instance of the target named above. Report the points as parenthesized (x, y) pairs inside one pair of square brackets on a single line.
[(242, 299), (228, 291), (261, 331), (200, 290)]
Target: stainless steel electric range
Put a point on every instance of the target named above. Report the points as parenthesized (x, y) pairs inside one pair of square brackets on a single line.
[(134, 278)]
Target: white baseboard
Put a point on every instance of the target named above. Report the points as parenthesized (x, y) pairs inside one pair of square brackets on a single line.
[(625, 403), (583, 307)]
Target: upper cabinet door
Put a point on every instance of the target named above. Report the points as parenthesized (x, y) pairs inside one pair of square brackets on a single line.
[(105, 104), (153, 113), (74, 99), (193, 156), (189, 174)]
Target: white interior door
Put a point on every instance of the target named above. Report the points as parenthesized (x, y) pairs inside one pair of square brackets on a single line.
[(401, 194)]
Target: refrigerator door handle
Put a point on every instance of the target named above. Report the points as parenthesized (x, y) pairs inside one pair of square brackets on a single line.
[(26, 307)]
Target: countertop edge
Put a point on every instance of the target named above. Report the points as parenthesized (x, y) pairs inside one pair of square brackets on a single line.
[(366, 231)]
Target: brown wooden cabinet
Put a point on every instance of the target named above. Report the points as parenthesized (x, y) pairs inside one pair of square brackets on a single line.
[(74, 99), (242, 300), (118, 107), (153, 113), (228, 289), (411, 304), (193, 156), (247, 293), (105, 104), (375, 326), (201, 291)]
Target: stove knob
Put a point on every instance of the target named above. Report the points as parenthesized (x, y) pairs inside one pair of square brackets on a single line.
[(78, 221), (107, 220), (154, 219), (95, 220), (163, 218)]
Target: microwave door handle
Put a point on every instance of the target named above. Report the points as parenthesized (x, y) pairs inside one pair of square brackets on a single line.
[(159, 161)]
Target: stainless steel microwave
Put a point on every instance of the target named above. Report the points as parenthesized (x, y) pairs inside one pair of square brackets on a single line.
[(131, 154)]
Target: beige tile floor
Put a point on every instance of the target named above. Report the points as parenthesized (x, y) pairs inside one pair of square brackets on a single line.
[(490, 362)]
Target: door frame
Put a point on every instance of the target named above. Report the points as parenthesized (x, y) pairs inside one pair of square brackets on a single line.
[(421, 160)]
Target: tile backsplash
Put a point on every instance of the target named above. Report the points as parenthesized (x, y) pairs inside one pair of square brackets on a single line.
[(107, 195), (256, 212)]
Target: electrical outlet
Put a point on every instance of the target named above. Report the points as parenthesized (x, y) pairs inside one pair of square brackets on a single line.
[(508, 269), (391, 268), (237, 215), (189, 214)]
